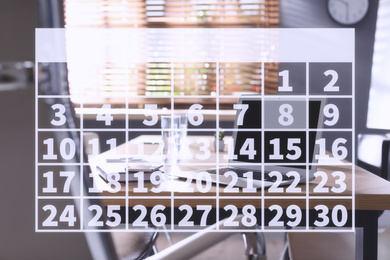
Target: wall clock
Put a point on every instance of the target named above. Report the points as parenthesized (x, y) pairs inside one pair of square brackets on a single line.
[(347, 12)]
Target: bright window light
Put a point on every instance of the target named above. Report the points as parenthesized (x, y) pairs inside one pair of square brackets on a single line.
[(378, 107)]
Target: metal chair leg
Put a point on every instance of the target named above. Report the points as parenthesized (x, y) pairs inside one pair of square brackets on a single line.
[(254, 246)]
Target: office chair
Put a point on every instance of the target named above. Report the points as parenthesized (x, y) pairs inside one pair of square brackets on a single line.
[(373, 153)]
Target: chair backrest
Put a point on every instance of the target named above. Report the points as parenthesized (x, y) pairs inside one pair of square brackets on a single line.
[(55, 83), (385, 167), (373, 153)]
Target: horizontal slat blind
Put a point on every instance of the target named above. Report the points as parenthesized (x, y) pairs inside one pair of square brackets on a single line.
[(214, 12), (108, 81)]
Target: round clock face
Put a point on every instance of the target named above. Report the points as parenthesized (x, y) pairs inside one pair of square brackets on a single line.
[(347, 11)]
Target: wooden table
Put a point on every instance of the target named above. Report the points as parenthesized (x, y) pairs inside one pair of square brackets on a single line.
[(372, 193)]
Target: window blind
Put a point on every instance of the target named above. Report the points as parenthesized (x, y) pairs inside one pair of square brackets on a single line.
[(110, 79)]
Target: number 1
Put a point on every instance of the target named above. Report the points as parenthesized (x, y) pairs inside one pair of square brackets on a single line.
[(285, 82)]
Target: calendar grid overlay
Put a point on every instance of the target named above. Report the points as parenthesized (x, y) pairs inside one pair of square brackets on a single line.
[(172, 196), (56, 169)]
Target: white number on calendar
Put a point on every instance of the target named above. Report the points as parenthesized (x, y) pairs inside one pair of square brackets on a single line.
[(105, 116), (293, 213), (286, 118), (243, 108), (339, 182), (230, 150), (69, 175), (331, 86), (339, 151), (67, 149), (291, 188), (94, 188), (112, 180), (59, 114), (151, 111), (331, 112), (157, 178), (248, 148), (204, 149), (94, 147), (203, 182), (157, 217), (231, 187), (114, 218), (94, 143), (67, 216), (285, 74), (195, 116), (186, 222), (339, 215), (291, 146), (157, 152), (249, 218)]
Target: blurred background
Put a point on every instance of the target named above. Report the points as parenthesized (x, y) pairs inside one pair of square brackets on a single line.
[(18, 20)]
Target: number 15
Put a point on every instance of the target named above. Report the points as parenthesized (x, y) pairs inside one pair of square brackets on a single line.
[(291, 146)]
